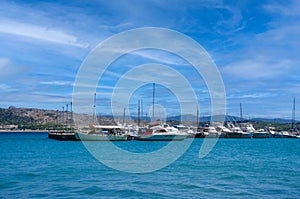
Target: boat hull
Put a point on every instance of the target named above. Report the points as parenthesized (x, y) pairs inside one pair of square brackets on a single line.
[(260, 135), (279, 136), (62, 136), (100, 137), (238, 135), (199, 135), (160, 137)]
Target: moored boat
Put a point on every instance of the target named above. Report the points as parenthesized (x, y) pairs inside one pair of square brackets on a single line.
[(211, 132), (236, 132), (103, 133), (62, 135), (281, 134), (260, 134), (159, 133)]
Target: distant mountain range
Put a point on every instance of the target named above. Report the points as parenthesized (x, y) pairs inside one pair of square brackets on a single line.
[(230, 118), (30, 116), (216, 118)]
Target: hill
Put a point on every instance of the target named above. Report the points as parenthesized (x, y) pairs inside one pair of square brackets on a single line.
[(30, 118)]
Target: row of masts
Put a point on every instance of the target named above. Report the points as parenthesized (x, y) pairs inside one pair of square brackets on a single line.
[(64, 118), (140, 110), (293, 113)]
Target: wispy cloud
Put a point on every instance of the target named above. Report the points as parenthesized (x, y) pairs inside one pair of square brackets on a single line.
[(250, 95), (40, 33), (286, 9), (257, 68), (3, 62), (10, 70), (58, 83), (160, 56), (6, 88)]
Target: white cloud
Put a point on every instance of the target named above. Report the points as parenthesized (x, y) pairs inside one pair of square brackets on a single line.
[(7, 88), (40, 33), (58, 83), (270, 54), (9, 70), (3, 62), (161, 57), (286, 9), (257, 68)]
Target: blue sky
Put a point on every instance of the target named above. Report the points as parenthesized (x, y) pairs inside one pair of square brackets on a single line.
[(255, 45)]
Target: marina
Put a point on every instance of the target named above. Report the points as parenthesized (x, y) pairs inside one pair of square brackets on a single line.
[(160, 133), (164, 131)]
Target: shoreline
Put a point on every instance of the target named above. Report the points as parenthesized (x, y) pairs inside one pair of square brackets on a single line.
[(24, 131)]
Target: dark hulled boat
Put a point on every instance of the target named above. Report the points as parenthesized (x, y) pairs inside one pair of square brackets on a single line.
[(62, 135)]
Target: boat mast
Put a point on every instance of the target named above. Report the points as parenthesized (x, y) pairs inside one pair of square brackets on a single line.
[(57, 120), (197, 116), (293, 115), (139, 103), (63, 118), (67, 117), (153, 102), (142, 109), (94, 108), (241, 113), (124, 116), (71, 122)]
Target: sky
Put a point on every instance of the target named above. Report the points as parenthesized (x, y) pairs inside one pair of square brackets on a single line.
[(254, 44)]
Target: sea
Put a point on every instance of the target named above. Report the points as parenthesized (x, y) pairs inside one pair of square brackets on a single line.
[(34, 166)]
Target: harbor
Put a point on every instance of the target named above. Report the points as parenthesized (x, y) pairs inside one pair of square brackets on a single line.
[(157, 132), (143, 130)]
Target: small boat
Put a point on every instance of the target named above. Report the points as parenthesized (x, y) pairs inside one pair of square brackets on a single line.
[(103, 133), (211, 132), (272, 132), (248, 127), (260, 134), (281, 134), (199, 134), (190, 131), (160, 133), (223, 131), (62, 135), (236, 132)]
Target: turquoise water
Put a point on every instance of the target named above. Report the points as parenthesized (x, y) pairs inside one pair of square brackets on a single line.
[(31, 165)]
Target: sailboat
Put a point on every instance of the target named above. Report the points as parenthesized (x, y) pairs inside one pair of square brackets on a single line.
[(294, 133), (101, 132), (236, 131), (157, 132), (64, 134)]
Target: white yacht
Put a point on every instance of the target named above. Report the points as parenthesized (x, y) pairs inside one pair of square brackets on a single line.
[(160, 133), (211, 132), (248, 127), (237, 132)]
